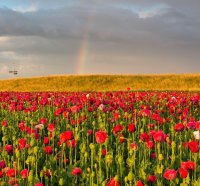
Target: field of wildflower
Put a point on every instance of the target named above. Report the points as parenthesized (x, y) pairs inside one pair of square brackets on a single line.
[(119, 138)]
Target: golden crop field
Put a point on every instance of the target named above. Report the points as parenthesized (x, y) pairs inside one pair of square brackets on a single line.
[(184, 82)]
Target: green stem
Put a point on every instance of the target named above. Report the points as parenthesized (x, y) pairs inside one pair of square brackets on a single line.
[(100, 152)]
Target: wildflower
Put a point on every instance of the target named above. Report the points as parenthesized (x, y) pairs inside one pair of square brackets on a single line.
[(77, 171), (113, 182), (170, 174), (11, 172), (151, 178), (67, 135), (183, 172), (101, 136), (193, 146), (117, 129), (48, 150), (24, 173), (131, 127)]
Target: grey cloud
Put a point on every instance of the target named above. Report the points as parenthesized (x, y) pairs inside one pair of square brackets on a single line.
[(108, 22), (115, 36), (17, 24)]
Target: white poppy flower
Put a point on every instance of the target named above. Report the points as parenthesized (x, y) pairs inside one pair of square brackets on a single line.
[(196, 135)]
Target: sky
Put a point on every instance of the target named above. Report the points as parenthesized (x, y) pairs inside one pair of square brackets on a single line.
[(48, 37)]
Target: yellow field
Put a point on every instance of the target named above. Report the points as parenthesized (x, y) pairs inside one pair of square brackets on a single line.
[(187, 82)]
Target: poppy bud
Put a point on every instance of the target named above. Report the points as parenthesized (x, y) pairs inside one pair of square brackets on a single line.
[(32, 142), (126, 179), (160, 157), (4, 138), (61, 181), (130, 176), (88, 169), (173, 144), (3, 128), (109, 158), (120, 159), (86, 155), (92, 174), (95, 166), (30, 177), (92, 146), (33, 159), (41, 174), (17, 153), (35, 150)]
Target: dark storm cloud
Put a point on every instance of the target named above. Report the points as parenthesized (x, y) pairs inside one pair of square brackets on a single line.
[(108, 23), (161, 35)]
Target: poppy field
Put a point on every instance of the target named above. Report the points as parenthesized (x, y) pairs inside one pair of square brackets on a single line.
[(119, 138)]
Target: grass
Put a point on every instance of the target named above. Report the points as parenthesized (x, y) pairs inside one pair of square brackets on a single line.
[(183, 82)]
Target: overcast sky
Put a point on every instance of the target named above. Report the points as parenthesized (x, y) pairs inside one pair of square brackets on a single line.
[(46, 37)]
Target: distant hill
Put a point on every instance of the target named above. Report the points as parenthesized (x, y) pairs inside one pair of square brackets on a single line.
[(186, 82)]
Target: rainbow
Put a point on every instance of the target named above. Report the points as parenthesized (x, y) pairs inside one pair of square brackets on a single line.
[(82, 54), (83, 51)]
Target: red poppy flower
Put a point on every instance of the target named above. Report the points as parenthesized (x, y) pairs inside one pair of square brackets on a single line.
[(150, 144), (39, 184), (151, 178), (46, 140), (146, 112), (144, 137), (131, 127), (116, 116), (4, 123), (90, 131), (58, 143), (66, 160), (185, 144), (193, 146), (134, 146), (51, 127), (48, 150), (77, 171), (104, 151), (170, 174), (21, 143), (191, 125), (121, 138), (189, 165), (75, 109), (22, 126), (113, 182), (183, 172), (43, 121), (13, 182), (9, 148), (2, 164), (117, 129), (1, 174), (67, 135), (48, 173), (24, 173), (159, 136), (140, 183), (151, 126), (197, 125), (71, 143), (11, 172), (58, 112), (179, 127), (101, 136)]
